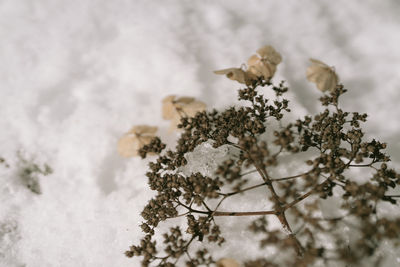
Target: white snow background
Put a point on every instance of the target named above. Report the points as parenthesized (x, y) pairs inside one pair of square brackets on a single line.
[(75, 75)]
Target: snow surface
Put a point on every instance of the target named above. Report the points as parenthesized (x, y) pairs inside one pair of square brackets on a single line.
[(75, 75)]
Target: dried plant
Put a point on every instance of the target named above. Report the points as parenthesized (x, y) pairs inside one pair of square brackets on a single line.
[(330, 145), (30, 173)]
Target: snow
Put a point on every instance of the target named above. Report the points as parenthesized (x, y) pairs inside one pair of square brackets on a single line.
[(76, 75)]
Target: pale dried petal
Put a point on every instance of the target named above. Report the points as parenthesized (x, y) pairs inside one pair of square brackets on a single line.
[(250, 77), (186, 109), (270, 54), (185, 100), (144, 129), (227, 262), (235, 74), (168, 108), (263, 69), (322, 75), (268, 70), (253, 60), (130, 143), (191, 109)]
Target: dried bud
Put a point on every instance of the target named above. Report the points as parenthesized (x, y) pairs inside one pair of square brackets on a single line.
[(130, 143)]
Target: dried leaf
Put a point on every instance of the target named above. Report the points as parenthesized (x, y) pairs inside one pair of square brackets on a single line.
[(227, 262), (322, 75)]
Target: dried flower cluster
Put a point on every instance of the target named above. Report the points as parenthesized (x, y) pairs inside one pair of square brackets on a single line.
[(329, 144)]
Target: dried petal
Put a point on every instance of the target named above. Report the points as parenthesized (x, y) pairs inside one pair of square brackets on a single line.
[(192, 108), (322, 75), (235, 74), (186, 109), (168, 108), (270, 54), (227, 262), (174, 108), (143, 130), (265, 64), (263, 69), (130, 143)]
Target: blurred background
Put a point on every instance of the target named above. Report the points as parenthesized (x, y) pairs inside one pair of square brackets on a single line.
[(76, 75)]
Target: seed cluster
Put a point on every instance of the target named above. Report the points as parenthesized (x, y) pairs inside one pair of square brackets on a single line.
[(330, 145)]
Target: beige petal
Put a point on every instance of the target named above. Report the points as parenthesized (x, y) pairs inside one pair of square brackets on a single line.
[(235, 74), (253, 60), (250, 77), (328, 81), (263, 69), (314, 72), (128, 145), (191, 109), (227, 262), (188, 110), (169, 99), (268, 70), (185, 100), (143, 129), (168, 108), (322, 75), (255, 70), (318, 62), (269, 53)]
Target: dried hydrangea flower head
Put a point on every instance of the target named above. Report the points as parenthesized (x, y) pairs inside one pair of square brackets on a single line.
[(322, 75), (130, 143), (227, 262), (326, 146), (265, 62), (174, 108)]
